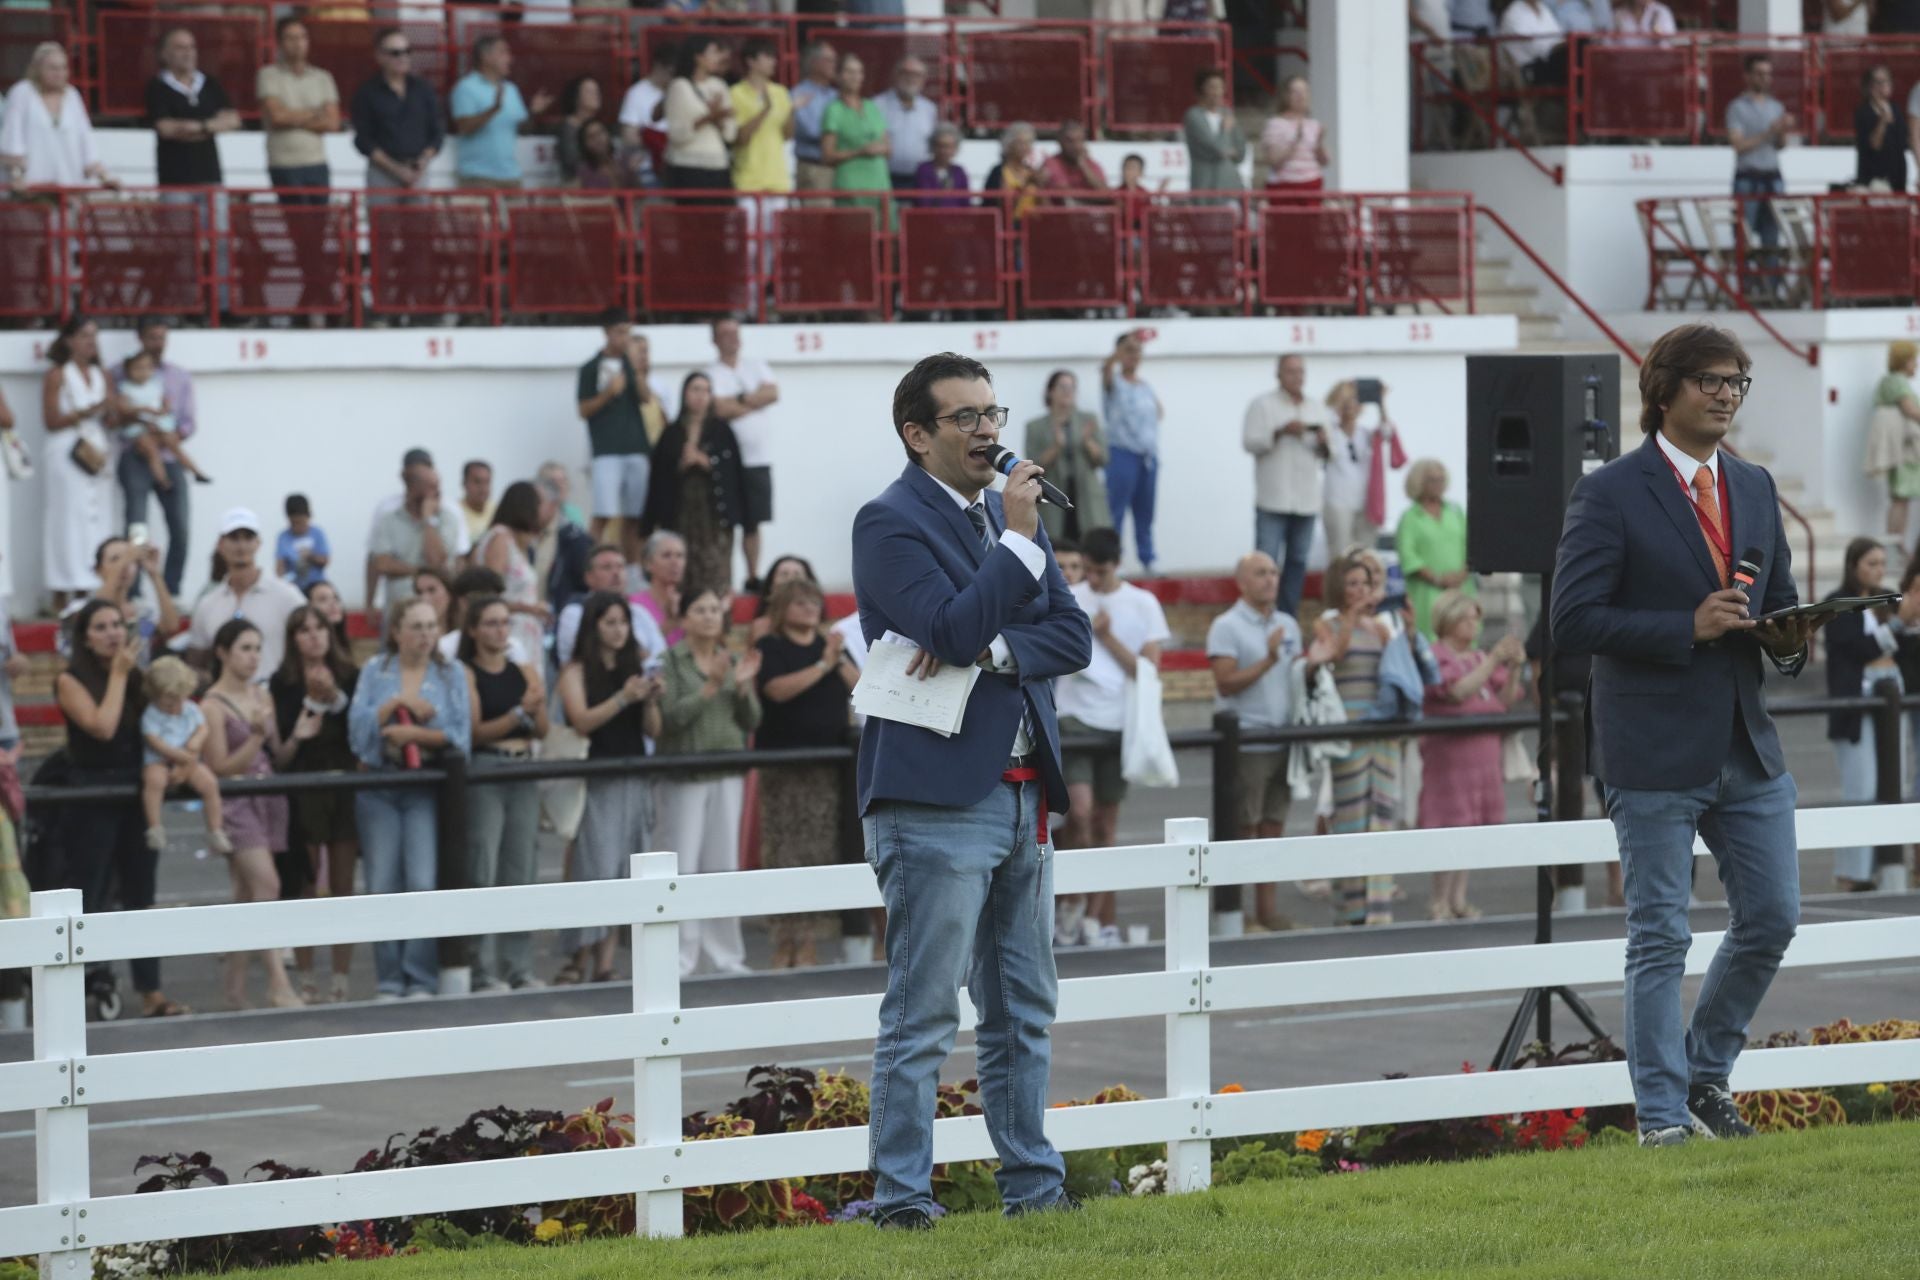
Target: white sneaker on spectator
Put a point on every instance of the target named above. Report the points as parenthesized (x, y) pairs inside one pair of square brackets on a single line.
[(1089, 932), (490, 985), (1067, 919), (1109, 936), (529, 984), (386, 997)]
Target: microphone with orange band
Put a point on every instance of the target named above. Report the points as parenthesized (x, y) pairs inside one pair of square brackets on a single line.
[(1747, 570)]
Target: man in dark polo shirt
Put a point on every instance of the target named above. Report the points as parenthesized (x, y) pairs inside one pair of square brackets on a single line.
[(396, 117), (615, 402), (188, 110)]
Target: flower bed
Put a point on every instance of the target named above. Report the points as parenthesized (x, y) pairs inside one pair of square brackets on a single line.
[(787, 1100)]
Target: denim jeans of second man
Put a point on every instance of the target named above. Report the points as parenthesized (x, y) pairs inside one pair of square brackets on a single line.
[(176, 503), (1746, 820), (969, 896), (1287, 537), (399, 836)]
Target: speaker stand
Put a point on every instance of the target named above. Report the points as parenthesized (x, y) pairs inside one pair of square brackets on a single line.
[(1536, 1003)]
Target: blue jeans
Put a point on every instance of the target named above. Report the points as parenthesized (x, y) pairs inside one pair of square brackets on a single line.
[(1746, 820), (137, 486), (398, 843), (969, 895), (1131, 479), (1287, 537), (1859, 782)]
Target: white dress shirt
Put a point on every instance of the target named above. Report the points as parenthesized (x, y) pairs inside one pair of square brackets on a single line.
[(1687, 466)]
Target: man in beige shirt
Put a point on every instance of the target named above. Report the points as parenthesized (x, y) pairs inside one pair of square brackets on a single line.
[(299, 104), (1286, 432)]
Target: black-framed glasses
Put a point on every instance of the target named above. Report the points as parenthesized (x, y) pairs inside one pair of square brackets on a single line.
[(971, 421), (1710, 383), (402, 52)]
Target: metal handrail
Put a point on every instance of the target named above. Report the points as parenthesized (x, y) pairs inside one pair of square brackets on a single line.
[(1810, 353), (1556, 173)]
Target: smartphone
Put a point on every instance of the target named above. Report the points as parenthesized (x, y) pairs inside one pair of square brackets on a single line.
[(1367, 389), (609, 370)]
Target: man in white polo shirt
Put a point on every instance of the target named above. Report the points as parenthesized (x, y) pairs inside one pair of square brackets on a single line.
[(1129, 627), (246, 592)]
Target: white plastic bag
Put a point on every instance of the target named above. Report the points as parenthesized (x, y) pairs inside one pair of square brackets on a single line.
[(1146, 757)]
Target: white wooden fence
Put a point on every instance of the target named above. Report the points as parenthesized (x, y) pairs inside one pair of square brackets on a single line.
[(63, 1080)]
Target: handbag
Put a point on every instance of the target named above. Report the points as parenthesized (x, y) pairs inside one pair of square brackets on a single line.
[(19, 462), (1146, 756), (1516, 762), (88, 457)]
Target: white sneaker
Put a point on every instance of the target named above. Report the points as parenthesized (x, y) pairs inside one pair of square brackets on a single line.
[(386, 997), (491, 985), (1090, 932), (1109, 936), (1067, 919)]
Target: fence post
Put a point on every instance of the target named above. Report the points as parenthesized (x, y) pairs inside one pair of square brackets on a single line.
[(1228, 908), (62, 1173), (1189, 1034), (656, 1081), (456, 954), (1888, 737)]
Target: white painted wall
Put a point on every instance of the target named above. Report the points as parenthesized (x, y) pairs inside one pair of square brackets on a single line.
[(1357, 52), (1588, 228), (329, 413)]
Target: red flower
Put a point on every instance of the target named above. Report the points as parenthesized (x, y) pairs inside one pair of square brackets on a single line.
[(809, 1206)]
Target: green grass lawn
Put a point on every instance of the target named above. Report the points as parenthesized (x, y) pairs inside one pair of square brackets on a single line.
[(1833, 1202)]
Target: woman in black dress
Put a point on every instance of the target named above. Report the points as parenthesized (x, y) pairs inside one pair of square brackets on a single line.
[(698, 486), (1879, 133)]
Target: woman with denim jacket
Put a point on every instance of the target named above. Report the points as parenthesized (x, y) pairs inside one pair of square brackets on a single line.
[(408, 696)]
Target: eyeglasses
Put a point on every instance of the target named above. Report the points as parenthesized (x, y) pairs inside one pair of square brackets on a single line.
[(1710, 383), (971, 421), (402, 52)]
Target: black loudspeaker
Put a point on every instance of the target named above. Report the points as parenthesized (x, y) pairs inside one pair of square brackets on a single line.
[(1535, 425)]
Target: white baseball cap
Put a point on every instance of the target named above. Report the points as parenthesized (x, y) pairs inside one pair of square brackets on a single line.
[(238, 518)]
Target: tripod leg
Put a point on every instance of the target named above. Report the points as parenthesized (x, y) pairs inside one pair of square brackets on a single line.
[(1515, 1038), (1580, 1009)]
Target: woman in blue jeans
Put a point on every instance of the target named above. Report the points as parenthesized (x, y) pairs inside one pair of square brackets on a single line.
[(408, 696)]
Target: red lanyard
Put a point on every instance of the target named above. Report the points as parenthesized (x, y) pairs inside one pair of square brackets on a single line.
[(1715, 533)]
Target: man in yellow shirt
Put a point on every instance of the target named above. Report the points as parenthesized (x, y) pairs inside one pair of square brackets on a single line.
[(765, 113)]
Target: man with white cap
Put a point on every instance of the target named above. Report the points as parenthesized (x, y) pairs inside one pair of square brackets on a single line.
[(246, 592)]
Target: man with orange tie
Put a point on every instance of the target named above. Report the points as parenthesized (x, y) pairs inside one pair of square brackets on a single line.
[(1678, 729)]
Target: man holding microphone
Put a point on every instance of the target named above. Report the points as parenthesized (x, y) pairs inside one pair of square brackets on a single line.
[(1653, 580), (956, 827)]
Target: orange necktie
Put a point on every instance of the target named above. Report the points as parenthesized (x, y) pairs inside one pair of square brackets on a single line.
[(1710, 508)]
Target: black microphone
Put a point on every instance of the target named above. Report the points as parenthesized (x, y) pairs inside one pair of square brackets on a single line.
[(1747, 570), (1005, 460)]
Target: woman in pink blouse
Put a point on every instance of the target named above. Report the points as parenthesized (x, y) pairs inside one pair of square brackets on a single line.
[(1293, 144), (1462, 785)]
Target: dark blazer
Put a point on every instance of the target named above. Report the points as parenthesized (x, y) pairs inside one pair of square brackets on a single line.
[(918, 570), (1849, 650), (728, 478), (1633, 566)]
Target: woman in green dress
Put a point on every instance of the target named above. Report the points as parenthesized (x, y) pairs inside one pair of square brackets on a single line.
[(853, 137), (1432, 541), (1068, 442)]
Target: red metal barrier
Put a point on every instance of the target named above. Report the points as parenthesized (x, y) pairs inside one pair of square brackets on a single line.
[(433, 257), (1074, 257), (566, 255), (210, 253), (124, 58), (1870, 247), (1149, 79), (548, 57), (29, 230), (1844, 65), (1309, 255), (671, 30), (950, 260), (880, 52), (694, 258), (292, 259), (21, 31), (826, 259), (1027, 77), (1193, 255), (140, 256), (1636, 90), (343, 47)]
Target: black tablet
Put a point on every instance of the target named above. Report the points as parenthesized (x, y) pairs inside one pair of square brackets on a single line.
[(1840, 604)]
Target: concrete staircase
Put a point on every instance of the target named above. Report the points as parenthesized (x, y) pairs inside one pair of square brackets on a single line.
[(1540, 332)]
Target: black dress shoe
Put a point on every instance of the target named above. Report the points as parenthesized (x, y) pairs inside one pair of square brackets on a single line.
[(908, 1219), (1715, 1113)]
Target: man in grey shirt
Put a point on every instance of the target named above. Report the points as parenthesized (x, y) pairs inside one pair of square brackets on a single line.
[(1252, 648), (1758, 126)]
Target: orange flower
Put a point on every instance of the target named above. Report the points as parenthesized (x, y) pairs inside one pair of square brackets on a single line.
[(1232, 1088), (1310, 1141)]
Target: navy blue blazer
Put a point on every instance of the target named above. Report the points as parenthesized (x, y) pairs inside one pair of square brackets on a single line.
[(918, 570), (1632, 568)]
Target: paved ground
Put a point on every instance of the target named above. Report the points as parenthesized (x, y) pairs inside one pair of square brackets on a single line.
[(329, 1128)]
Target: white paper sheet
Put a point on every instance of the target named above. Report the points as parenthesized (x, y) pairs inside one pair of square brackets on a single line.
[(887, 691)]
